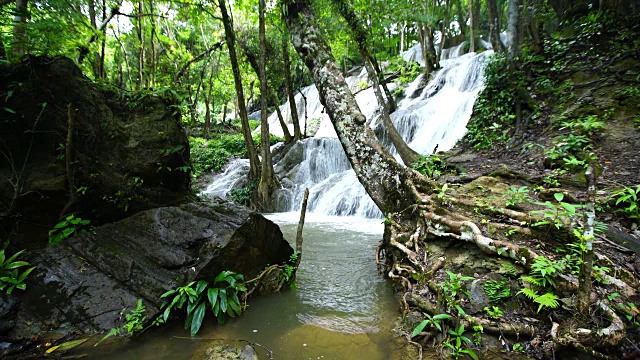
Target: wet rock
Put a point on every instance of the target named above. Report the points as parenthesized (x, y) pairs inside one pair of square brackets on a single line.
[(227, 352), (84, 283), (8, 310), (122, 150)]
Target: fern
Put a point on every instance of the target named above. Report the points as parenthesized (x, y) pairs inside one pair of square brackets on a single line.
[(548, 300), (496, 290)]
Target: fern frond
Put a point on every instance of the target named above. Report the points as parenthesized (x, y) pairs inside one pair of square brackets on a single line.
[(530, 293), (547, 300)]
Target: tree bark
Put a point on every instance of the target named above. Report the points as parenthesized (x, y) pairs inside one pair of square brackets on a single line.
[(494, 26), (293, 109), (472, 34), (513, 29), (254, 162), (140, 45), (267, 180), (389, 184), (271, 94), (19, 30)]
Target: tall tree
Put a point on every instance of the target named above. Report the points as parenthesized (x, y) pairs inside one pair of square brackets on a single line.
[(494, 26), (389, 184), (513, 28), (254, 162), (408, 155), (293, 109), (18, 43), (267, 180)]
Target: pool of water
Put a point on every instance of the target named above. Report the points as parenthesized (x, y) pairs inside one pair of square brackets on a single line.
[(340, 309)]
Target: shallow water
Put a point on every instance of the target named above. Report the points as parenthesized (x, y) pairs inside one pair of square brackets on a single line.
[(341, 308)]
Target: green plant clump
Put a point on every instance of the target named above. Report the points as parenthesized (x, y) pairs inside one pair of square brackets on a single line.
[(430, 165), (10, 276), (496, 290), (134, 322), (222, 297), (627, 201), (67, 227)]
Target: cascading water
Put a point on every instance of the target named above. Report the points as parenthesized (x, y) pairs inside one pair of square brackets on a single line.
[(430, 115)]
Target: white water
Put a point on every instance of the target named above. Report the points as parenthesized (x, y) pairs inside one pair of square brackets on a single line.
[(435, 114)]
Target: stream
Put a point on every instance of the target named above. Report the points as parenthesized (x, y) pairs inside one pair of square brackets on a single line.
[(340, 309)]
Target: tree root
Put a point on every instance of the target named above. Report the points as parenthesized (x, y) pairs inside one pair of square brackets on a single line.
[(468, 231), (584, 339)]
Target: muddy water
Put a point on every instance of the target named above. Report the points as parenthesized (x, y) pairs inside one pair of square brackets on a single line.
[(341, 308)]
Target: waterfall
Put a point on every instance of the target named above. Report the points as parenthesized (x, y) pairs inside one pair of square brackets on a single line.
[(435, 113)]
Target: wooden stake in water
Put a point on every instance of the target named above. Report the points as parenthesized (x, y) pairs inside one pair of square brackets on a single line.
[(303, 212)]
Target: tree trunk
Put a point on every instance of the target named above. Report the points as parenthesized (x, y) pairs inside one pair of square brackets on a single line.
[(267, 180), (293, 109), (494, 26), (472, 33), (254, 162), (140, 45), (513, 29), (152, 75), (19, 30), (359, 33), (388, 183)]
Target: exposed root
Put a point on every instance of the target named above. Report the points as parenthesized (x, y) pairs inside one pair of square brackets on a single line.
[(583, 339), (468, 231)]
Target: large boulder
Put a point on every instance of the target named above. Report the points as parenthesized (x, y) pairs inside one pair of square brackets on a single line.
[(128, 153), (84, 283)]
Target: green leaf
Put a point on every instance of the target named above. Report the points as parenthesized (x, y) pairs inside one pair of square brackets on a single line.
[(201, 286), (419, 328), (26, 273), (212, 295), (223, 300), (15, 265), (558, 196), (442, 317), (198, 315)]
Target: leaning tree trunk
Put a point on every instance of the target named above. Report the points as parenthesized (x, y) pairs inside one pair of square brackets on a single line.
[(254, 162), (408, 155), (417, 215), (389, 184), (293, 109)]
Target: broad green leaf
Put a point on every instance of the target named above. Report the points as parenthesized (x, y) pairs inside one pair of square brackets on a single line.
[(16, 265), (223, 300), (419, 328), (212, 295), (196, 322)]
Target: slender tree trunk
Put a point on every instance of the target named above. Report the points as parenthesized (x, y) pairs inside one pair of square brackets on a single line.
[(267, 180), (140, 45), (472, 33), (403, 29), (297, 134), (285, 130), (18, 43), (152, 75), (388, 183), (584, 282), (254, 162), (103, 44), (271, 94), (359, 33), (494, 26), (513, 29)]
